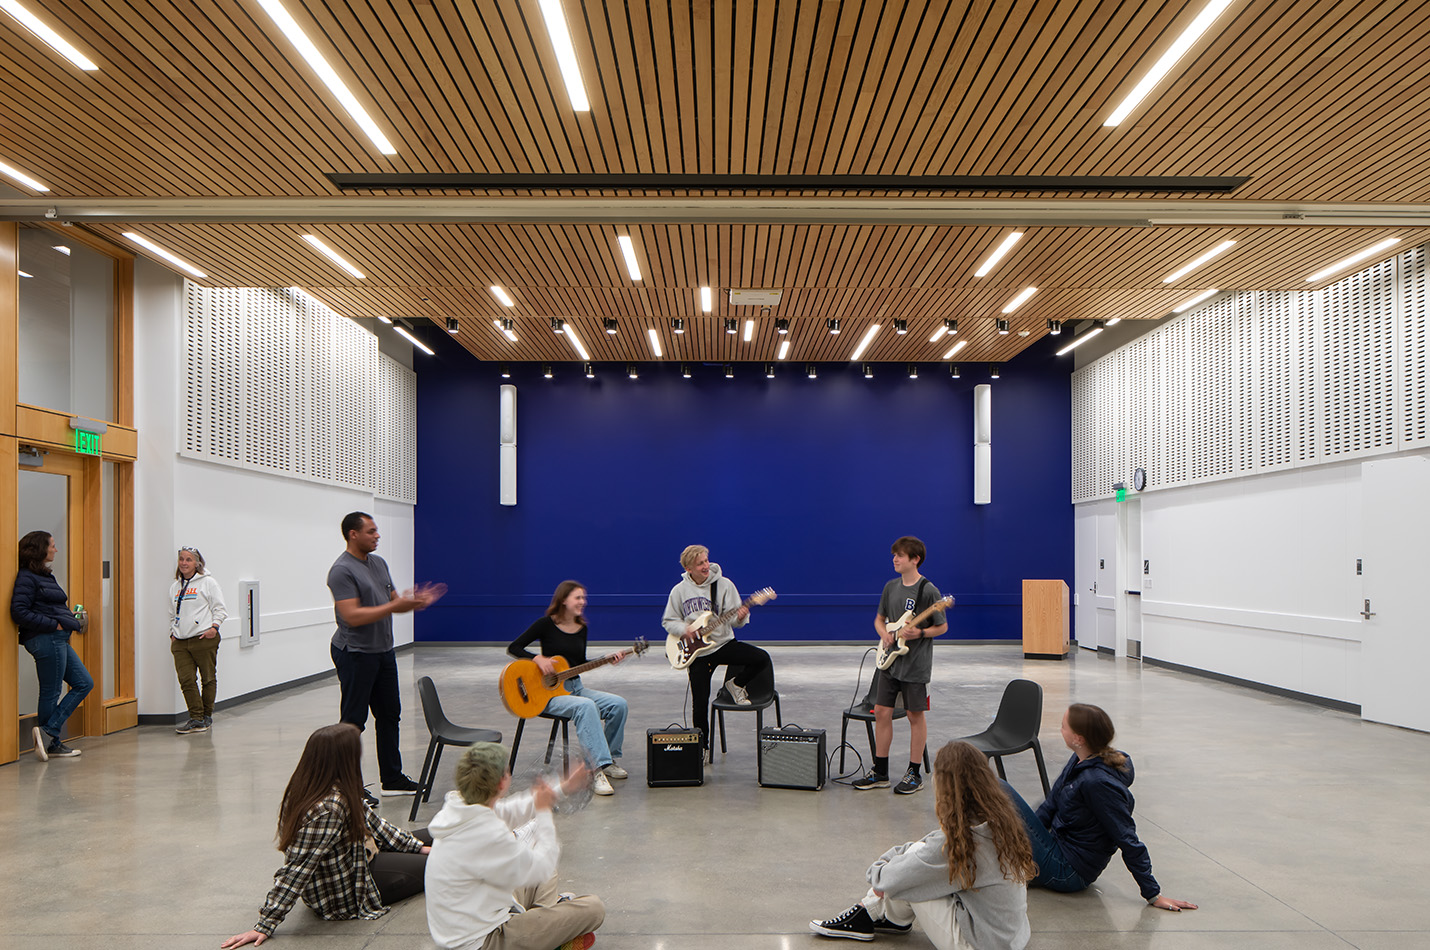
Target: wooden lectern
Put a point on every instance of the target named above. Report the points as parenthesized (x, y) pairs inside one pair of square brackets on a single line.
[(1045, 620)]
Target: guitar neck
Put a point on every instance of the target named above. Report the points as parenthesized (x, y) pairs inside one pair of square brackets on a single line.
[(726, 617), (591, 665)]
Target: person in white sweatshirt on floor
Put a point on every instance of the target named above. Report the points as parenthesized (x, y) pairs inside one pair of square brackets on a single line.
[(491, 877)]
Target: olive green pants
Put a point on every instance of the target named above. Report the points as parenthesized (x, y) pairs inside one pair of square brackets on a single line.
[(197, 657)]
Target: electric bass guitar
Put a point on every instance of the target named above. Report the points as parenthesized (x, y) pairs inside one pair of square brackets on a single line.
[(682, 651), (525, 690), (887, 655)]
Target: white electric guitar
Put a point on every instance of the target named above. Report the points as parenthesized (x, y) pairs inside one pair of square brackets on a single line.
[(682, 651), (887, 655)]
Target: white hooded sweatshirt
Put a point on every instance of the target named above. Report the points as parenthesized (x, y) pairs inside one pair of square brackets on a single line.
[(477, 862), (195, 606)]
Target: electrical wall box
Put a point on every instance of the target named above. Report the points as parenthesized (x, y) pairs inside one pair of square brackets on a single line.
[(248, 613)]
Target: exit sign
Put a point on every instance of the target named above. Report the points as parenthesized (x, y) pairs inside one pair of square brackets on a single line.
[(86, 443)]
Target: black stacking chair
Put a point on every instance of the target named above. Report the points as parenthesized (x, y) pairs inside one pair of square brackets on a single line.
[(863, 711), (558, 721), (1015, 728), (762, 695), (444, 732)]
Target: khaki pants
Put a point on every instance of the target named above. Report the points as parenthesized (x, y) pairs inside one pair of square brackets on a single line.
[(197, 656), (548, 921)]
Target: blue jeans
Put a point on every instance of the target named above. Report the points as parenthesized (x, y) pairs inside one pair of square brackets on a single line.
[(587, 707), (1054, 871), (56, 663)]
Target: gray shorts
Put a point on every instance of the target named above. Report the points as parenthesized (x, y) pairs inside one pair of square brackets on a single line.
[(887, 689)]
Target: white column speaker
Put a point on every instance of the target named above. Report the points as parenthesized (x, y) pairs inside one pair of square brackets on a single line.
[(982, 444), (507, 460)]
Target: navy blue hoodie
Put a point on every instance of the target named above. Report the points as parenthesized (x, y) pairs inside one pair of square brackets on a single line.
[(1089, 812)]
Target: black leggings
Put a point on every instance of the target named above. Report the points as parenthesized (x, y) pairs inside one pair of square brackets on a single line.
[(398, 874), (747, 655)]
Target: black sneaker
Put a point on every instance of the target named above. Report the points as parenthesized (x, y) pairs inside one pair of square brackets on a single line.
[(402, 785), (370, 798), (58, 750), (871, 780), (886, 926), (209, 721), (853, 924), (912, 783), (192, 726)]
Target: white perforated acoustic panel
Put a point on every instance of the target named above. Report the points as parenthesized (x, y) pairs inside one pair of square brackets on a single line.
[(1272, 332), (213, 337), (1211, 378), (1084, 436), (1414, 405), (1357, 414), (1167, 463), (395, 407), (1135, 374)]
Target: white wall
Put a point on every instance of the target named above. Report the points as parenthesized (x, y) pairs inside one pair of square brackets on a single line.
[(249, 525)]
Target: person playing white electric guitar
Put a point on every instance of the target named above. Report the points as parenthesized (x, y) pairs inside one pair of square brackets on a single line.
[(910, 673)]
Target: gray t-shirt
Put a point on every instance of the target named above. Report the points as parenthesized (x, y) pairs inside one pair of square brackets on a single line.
[(370, 582), (916, 666)]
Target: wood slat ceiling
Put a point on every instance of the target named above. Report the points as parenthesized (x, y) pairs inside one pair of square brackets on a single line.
[(1314, 100)]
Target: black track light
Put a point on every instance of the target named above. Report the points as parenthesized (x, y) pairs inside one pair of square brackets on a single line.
[(769, 370), (685, 370), (631, 371), (677, 324), (913, 371), (731, 325), (953, 371), (1002, 327), (546, 370), (781, 324), (504, 370), (558, 325), (833, 324), (452, 326), (1055, 327), (811, 371), (508, 324), (609, 324), (868, 370), (729, 371), (901, 326), (992, 370), (951, 325), (590, 370)]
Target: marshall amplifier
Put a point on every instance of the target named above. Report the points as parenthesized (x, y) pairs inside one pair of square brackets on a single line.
[(792, 758), (674, 756)]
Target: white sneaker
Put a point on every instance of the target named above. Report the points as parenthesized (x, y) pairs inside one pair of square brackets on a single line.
[(615, 771), (42, 741), (602, 785), (738, 694)]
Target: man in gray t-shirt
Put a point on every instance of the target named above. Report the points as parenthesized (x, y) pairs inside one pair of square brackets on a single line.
[(364, 600), (904, 597)]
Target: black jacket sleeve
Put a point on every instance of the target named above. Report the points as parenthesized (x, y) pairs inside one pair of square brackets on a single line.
[(518, 647), (23, 607)]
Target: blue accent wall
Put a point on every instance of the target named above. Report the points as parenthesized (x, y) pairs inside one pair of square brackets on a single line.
[(793, 483)]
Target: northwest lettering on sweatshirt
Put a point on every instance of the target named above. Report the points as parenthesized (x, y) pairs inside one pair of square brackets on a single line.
[(695, 605)]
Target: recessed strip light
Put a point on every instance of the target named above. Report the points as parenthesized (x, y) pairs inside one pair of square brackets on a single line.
[(23, 274), (50, 38), (938, 334), (998, 253), (386, 320), (63, 249), (576, 342), (166, 255), (332, 255), (402, 331), (501, 294), (1194, 301), (9, 171), (654, 341), (1019, 300), (864, 343), (1113, 322), (1169, 59), (1079, 340), (629, 250), (327, 74), (1186, 269), (1353, 259), (784, 349), (707, 301), (504, 331), (555, 18), (956, 347), (749, 330)]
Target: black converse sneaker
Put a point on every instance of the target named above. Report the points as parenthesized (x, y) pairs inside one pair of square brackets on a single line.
[(871, 779), (853, 924), (912, 783), (886, 926)]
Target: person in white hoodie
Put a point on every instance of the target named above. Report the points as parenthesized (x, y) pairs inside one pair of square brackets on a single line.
[(703, 587), (196, 612), (491, 876), (965, 883)]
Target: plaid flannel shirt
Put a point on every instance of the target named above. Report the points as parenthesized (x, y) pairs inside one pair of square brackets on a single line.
[(328, 870)]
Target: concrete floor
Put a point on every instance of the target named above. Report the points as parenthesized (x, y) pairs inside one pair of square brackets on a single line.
[(1291, 825)]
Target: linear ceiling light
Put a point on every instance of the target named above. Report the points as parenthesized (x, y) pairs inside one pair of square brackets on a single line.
[(576, 342), (938, 334), (327, 74), (332, 255), (1078, 341), (1194, 301), (1169, 59), (956, 347), (555, 18), (998, 253), (169, 256), (9, 171), (654, 341), (1353, 259), (749, 331), (864, 343), (1186, 269), (48, 36), (1019, 300), (402, 331), (628, 249), (1113, 322), (23, 274), (503, 296), (707, 302), (505, 330), (784, 350), (386, 320), (63, 249)]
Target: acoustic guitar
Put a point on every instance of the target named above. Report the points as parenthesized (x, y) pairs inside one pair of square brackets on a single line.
[(886, 656), (525, 690), (682, 651)]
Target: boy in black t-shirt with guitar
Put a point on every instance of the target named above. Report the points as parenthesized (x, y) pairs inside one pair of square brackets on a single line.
[(910, 614)]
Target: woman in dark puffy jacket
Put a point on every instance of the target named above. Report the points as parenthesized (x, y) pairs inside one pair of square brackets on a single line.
[(41, 610), (1087, 816)]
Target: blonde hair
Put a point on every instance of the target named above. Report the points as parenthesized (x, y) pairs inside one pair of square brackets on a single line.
[(480, 771), (690, 555)]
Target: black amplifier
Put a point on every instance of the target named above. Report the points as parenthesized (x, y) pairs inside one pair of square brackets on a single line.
[(674, 756), (792, 758)]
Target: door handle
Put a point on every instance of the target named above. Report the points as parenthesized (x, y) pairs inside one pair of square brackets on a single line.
[(1366, 613)]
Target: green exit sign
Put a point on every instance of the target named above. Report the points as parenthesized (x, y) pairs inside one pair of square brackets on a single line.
[(87, 443)]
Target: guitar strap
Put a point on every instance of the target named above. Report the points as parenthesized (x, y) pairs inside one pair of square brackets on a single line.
[(919, 595), (714, 599)]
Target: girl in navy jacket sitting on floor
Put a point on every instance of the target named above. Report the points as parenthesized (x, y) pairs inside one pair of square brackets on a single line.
[(1087, 817)]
